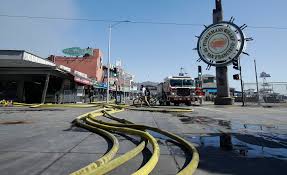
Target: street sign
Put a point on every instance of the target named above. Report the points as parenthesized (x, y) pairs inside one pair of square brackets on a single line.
[(77, 51), (219, 44)]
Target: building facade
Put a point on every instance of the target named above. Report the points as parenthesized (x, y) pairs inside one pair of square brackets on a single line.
[(88, 64), (121, 82), (25, 77), (209, 86)]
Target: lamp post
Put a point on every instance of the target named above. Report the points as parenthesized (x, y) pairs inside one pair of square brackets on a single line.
[(109, 56), (124, 83)]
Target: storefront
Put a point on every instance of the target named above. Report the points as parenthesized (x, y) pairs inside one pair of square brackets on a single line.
[(100, 91), (25, 77)]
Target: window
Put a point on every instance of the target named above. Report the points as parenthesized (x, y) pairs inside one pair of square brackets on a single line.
[(181, 82), (208, 80)]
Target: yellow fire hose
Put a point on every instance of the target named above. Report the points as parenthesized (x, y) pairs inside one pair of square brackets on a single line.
[(5, 103), (190, 167), (64, 105), (22, 104), (94, 168), (106, 163), (159, 109), (108, 156), (100, 104), (103, 165), (130, 128), (147, 168)]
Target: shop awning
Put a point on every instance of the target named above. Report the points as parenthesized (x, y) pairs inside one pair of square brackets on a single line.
[(23, 59), (211, 90), (100, 85), (82, 80)]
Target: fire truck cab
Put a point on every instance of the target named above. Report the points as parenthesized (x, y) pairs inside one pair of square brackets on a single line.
[(177, 90)]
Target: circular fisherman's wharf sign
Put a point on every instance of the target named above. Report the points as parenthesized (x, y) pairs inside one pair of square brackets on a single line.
[(220, 43)]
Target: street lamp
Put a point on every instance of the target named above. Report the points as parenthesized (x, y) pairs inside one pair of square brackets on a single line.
[(109, 56), (124, 84)]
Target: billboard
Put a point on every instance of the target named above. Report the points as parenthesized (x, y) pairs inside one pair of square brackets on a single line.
[(77, 51)]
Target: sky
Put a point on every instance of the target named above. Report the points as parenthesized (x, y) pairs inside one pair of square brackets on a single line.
[(150, 51)]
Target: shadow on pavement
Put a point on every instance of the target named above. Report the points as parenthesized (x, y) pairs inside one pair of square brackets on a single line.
[(241, 154), (226, 162)]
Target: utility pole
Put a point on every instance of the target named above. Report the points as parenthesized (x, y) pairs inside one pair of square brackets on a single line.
[(109, 55), (109, 63), (124, 91), (223, 94), (256, 76)]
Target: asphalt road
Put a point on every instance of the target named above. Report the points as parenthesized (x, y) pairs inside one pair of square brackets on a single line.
[(230, 140)]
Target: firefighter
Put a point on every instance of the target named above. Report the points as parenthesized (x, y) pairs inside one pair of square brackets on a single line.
[(147, 94)]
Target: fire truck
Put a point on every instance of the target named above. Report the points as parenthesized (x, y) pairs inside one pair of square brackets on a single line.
[(177, 90)]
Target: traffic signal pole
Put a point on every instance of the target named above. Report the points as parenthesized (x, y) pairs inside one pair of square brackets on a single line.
[(241, 82)]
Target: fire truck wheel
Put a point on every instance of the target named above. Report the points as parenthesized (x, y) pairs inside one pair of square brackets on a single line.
[(176, 104), (167, 103), (188, 103)]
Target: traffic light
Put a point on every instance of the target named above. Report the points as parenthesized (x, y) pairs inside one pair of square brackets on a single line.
[(115, 72), (235, 64), (236, 77), (199, 70)]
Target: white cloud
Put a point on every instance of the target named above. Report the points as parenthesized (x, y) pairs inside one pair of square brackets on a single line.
[(42, 37)]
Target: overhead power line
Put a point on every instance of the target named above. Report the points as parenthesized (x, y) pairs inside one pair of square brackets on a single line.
[(135, 22), (57, 18), (268, 27), (95, 20)]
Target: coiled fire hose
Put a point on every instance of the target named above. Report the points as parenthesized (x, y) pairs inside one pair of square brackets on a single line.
[(90, 121)]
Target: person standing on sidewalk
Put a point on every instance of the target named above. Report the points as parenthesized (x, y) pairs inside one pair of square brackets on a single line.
[(145, 93)]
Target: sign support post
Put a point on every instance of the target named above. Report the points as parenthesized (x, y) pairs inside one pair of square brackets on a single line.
[(223, 93), (221, 44)]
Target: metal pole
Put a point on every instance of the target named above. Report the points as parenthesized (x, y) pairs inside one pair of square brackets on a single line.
[(241, 81), (255, 68), (116, 95), (124, 90), (109, 63)]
